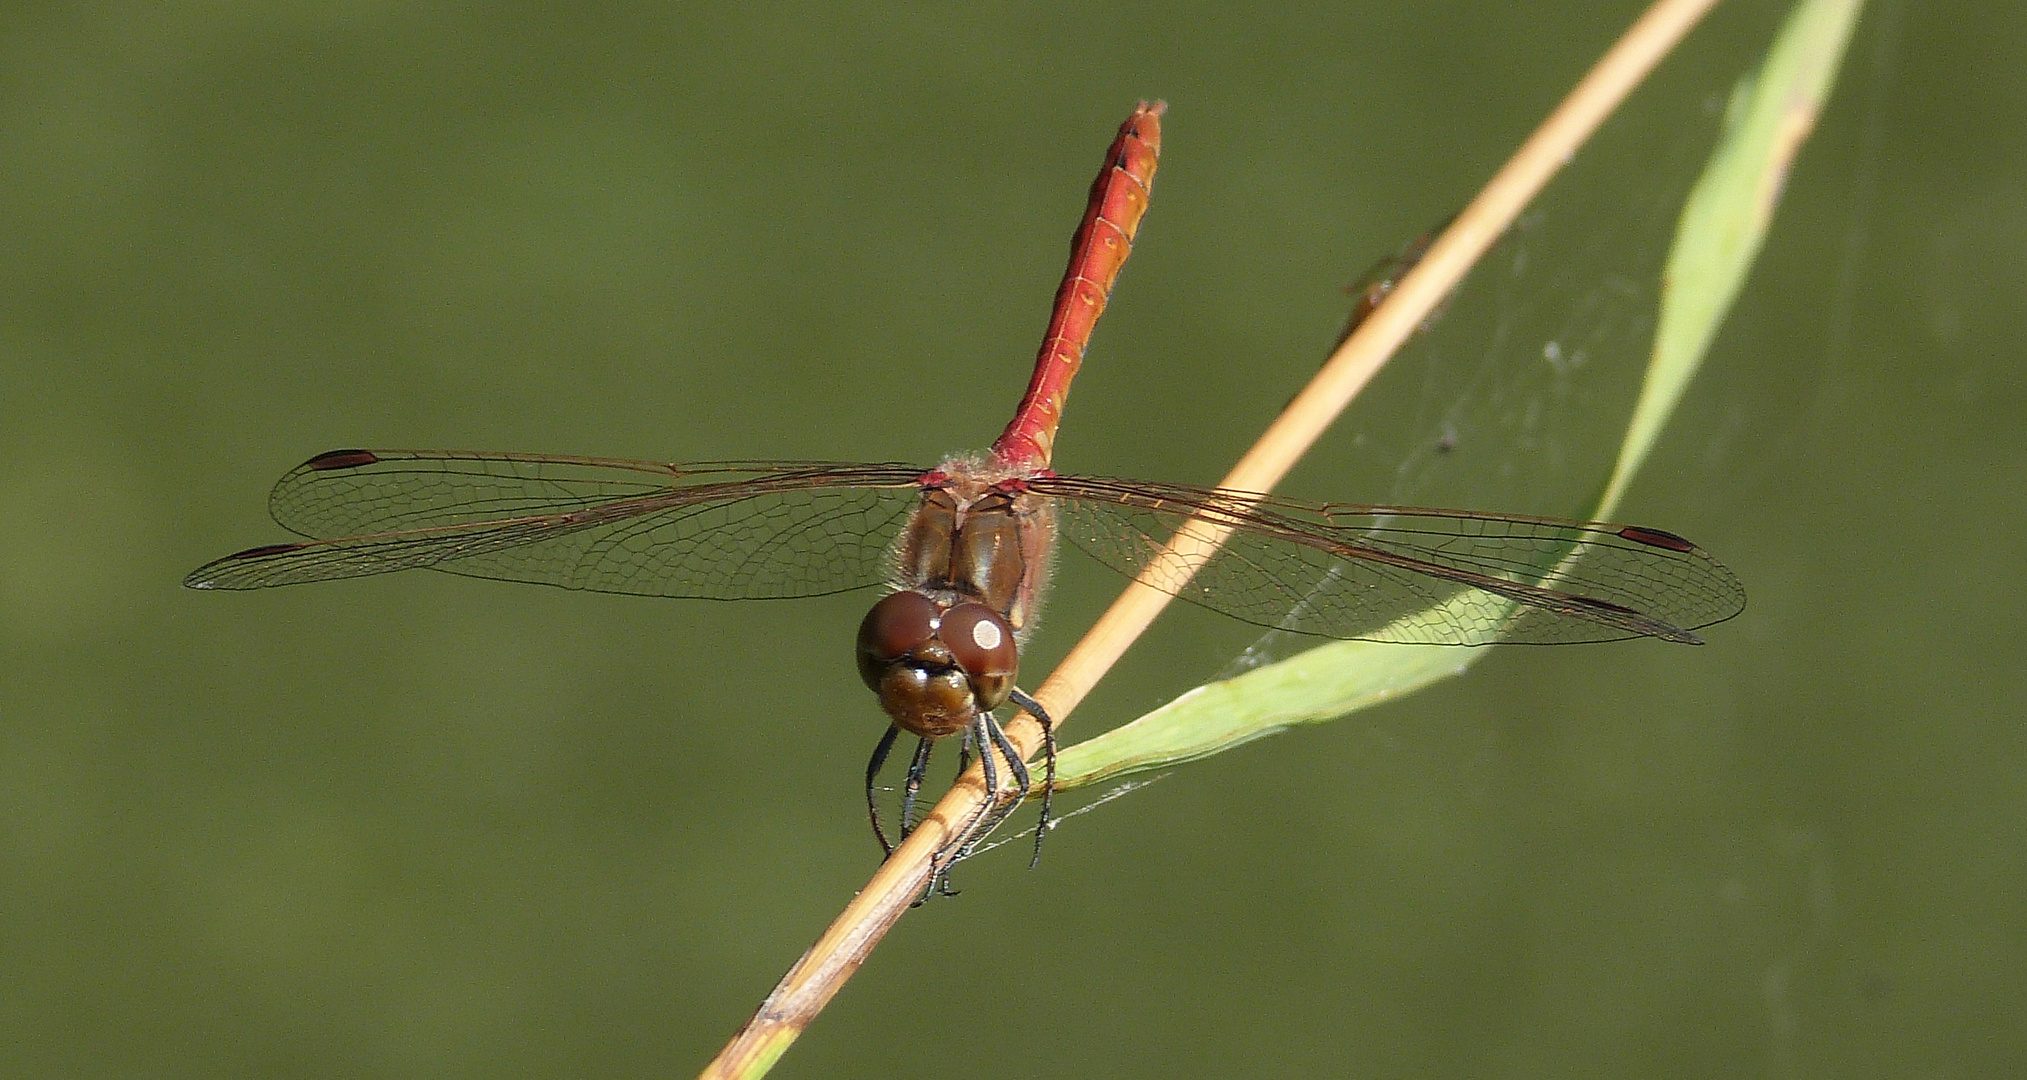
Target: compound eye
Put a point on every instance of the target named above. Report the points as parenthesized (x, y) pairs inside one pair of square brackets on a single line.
[(980, 641), (897, 625)]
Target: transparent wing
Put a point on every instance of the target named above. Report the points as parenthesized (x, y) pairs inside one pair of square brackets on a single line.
[(717, 530), (1403, 574)]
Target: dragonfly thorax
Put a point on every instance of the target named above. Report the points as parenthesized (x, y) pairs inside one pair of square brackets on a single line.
[(979, 534)]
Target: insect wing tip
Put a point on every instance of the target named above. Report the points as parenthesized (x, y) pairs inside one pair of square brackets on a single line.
[(340, 459)]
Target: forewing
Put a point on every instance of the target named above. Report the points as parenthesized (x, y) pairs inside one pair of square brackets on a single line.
[(1403, 574), (720, 530)]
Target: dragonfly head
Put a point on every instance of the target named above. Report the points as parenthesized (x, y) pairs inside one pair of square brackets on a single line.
[(936, 666)]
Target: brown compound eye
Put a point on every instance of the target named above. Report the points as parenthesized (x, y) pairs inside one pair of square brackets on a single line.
[(897, 625), (983, 645)]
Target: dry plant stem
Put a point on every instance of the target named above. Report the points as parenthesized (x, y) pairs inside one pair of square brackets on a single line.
[(809, 985)]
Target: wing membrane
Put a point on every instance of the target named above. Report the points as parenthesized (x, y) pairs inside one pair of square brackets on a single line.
[(717, 530), (1404, 574)]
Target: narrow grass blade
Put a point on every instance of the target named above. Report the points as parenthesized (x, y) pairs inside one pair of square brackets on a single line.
[(1726, 217)]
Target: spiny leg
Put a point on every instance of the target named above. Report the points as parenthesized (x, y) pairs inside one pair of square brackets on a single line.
[(1000, 740), (992, 814), (1041, 715), (981, 820), (941, 879), (917, 766), (987, 734), (872, 793), (1015, 766)]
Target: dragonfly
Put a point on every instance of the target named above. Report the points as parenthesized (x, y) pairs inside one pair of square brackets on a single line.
[(964, 547)]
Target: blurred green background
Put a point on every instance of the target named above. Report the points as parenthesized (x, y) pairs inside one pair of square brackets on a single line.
[(428, 826)]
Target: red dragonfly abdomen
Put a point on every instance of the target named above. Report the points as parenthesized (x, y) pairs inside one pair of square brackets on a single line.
[(1103, 241)]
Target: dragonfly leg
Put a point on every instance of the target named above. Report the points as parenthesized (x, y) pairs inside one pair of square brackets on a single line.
[(991, 814), (872, 793), (963, 764), (1018, 768), (987, 817), (1041, 715), (917, 767), (983, 820), (993, 744)]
